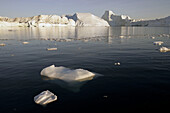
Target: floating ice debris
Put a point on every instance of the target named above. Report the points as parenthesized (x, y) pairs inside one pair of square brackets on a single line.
[(51, 49), (2, 44), (158, 43), (153, 37), (105, 96), (25, 42), (121, 36), (45, 97), (67, 74), (117, 64), (164, 49)]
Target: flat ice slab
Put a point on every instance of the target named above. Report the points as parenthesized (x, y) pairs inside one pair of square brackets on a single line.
[(67, 74), (45, 97)]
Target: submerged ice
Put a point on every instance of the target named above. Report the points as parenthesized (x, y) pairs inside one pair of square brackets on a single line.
[(67, 74)]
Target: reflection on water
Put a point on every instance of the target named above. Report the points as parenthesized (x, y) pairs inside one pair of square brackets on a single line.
[(20, 33)]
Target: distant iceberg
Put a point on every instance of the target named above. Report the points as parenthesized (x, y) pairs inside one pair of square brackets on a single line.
[(116, 20), (88, 19), (78, 19), (81, 19)]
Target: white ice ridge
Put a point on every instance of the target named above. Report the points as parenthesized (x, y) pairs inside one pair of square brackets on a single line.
[(67, 74), (45, 97)]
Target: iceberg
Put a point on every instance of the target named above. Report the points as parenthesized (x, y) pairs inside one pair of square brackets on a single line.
[(116, 20), (45, 98), (67, 74), (88, 19), (78, 19)]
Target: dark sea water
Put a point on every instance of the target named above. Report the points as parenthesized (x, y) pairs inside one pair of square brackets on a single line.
[(140, 84)]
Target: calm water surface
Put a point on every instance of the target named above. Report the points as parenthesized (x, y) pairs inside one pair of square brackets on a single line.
[(140, 83)]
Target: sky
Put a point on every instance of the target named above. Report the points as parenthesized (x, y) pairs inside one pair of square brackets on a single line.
[(137, 9)]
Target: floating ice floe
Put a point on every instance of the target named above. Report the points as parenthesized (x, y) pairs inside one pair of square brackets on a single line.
[(121, 36), (164, 49), (45, 97), (158, 43), (153, 37), (51, 49), (2, 44), (117, 64), (66, 78), (67, 74), (25, 42)]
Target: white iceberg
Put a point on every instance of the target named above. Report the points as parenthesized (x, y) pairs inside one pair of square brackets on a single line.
[(158, 43), (164, 49), (116, 20), (88, 19), (45, 97), (67, 74)]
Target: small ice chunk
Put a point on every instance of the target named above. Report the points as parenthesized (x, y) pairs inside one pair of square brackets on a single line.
[(105, 96), (158, 43), (153, 37), (51, 49), (25, 42), (164, 49), (45, 97), (67, 74), (2, 44), (121, 36), (117, 64)]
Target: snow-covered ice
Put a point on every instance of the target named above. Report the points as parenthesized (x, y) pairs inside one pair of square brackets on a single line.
[(45, 97), (67, 74)]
